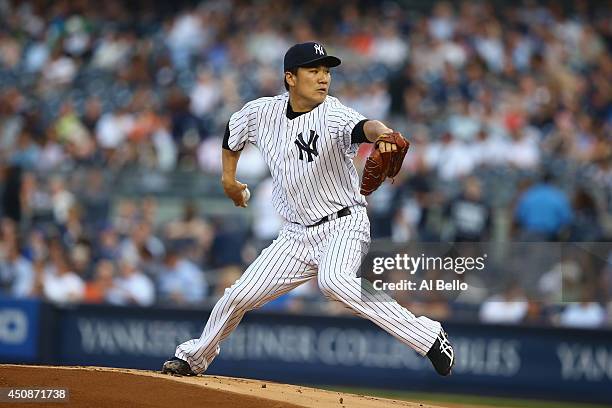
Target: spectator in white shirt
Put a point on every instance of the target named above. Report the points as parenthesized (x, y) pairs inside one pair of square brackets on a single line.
[(141, 239), (205, 95), (523, 151), (586, 314), (112, 129), (583, 315), (60, 283), (181, 281), (451, 158), (509, 307), (489, 149), (131, 287), (62, 200)]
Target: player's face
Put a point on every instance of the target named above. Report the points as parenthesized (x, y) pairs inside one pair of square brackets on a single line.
[(312, 83)]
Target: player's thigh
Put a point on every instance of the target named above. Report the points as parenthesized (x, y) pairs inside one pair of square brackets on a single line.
[(341, 259), (279, 268)]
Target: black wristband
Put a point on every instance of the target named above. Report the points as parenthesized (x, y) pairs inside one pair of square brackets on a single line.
[(358, 134)]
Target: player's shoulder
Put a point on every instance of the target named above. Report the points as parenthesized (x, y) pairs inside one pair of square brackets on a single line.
[(256, 107), (334, 103), (266, 101)]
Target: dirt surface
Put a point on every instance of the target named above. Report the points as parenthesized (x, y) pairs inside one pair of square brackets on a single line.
[(114, 387)]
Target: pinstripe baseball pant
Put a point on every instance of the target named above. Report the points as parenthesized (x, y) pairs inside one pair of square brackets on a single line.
[(332, 252)]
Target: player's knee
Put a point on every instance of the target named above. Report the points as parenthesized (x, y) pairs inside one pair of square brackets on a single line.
[(330, 287), (240, 299)]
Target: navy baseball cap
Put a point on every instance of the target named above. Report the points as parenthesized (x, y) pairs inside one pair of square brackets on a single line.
[(308, 53)]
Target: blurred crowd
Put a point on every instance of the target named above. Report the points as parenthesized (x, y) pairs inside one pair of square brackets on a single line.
[(508, 107)]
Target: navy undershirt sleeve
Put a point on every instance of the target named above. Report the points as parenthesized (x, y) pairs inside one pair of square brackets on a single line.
[(358, 135)]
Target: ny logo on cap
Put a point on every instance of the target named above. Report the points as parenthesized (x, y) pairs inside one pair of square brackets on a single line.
[(319, 49)]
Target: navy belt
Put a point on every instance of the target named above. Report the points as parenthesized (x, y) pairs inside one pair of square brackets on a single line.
[(342, 213)]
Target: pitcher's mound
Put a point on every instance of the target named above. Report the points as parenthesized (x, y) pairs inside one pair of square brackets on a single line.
[(115, 387)]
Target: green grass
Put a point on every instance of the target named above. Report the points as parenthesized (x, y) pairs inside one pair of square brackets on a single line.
[(457, 400)]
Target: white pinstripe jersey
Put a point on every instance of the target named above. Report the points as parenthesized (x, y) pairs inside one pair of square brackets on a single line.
[(310, 157)]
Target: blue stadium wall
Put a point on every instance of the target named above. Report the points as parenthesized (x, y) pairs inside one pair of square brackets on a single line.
[(558, 364)]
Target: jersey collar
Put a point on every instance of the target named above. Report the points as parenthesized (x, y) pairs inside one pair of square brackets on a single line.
[(291, 114)]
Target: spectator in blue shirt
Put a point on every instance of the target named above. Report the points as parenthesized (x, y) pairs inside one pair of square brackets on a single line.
[(543, 211)]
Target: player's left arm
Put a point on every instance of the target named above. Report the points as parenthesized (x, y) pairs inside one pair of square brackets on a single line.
[(362, 130)]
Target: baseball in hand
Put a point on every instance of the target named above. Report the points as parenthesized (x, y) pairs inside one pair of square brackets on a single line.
[(246, 194)]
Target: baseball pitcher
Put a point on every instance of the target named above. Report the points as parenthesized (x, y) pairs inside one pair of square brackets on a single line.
[(309, 139)]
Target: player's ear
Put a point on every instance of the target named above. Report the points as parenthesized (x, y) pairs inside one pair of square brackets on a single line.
[(290, 78)]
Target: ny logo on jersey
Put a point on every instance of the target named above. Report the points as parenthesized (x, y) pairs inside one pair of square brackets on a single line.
[(309, 148), (319, 49)]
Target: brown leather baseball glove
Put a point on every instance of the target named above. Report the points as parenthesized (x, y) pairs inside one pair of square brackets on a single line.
[(383, 164)]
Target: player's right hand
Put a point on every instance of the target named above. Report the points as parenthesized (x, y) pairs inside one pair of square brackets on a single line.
[(233, 189)]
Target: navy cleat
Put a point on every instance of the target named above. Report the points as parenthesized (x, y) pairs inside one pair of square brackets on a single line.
[(442, 354), (176, 366)]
